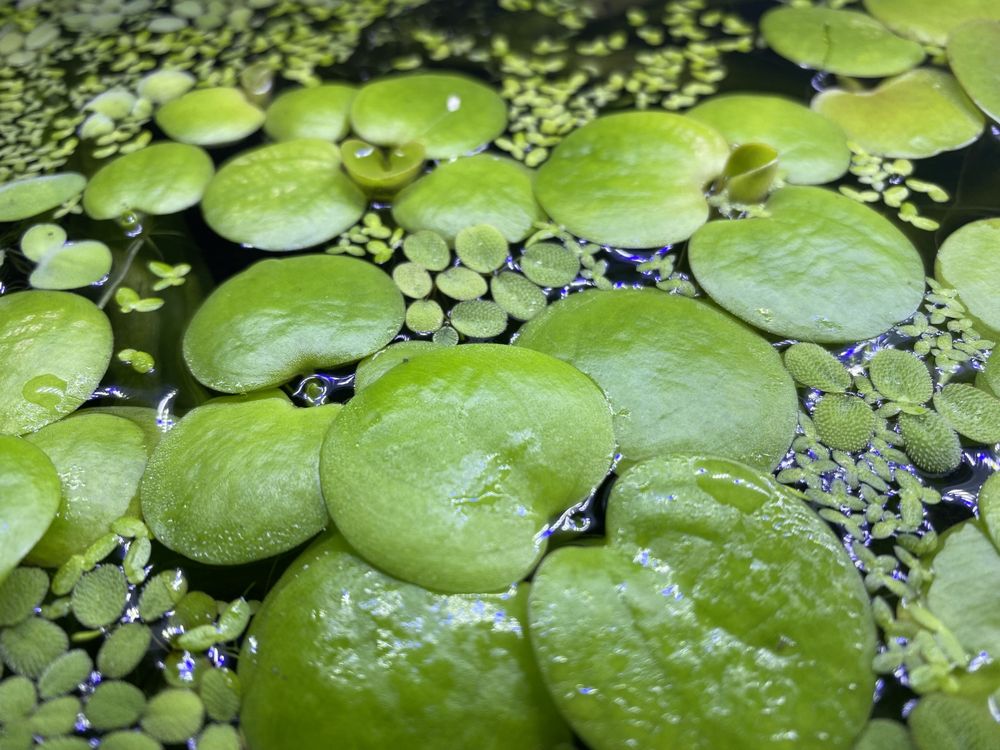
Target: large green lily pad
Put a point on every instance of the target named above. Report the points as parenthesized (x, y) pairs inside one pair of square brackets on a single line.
[(820, 267), (100, 459), (281, 318), (449, 114), (342, 655), (681, 376), (969, 261), (913, 116), (482, 189), (29, 498), (160, 179), (972, 49), (811, 149), (21, 199), (930, 21), (447, 469), (721, 613), (237, 482), (844, 42), (633, 180), (963, 592), (285, 196), (210, 117), (55, 348), (313, 112)]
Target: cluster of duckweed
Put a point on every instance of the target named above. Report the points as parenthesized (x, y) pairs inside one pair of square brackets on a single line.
[(103, 647)]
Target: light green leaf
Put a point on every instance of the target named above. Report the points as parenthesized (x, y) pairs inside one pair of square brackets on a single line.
[(31, 196), (972, 56), (972, 412), (844, 42), (162, 86), (322, 311), (633, 180), (913, 116), (378, 364), (210, 117), (285, 196), (844, 421), (901, 376), (314, 112), (450, 115), (682, 377), (714, 617), (29, 498), (482, 189), (930, 21), (820, 267), (969, 261), (811, 149), (538, 440), (438, 650), (930, 442), (815, 367), (160, 179)]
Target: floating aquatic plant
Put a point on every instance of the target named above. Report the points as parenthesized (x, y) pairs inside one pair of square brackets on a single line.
[(968, 262)]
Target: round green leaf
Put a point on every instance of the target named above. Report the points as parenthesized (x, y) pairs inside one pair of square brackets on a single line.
[(989, 507), (100, 459), (930, 21), (32, 645), (633, 180), (970, 411), (550, 264), (477, 318), (160, 179), (449, 114), (114, 705), (723, 605), (488, 444), (129, 740), (219, 737), (210, 117), (682, 377), (55, 348), (174, 715), (972, 54), (17, 699), (913, 116), (372, 368), (378, 663), (65, 674), (427, 249), (518, 297), (23, 590), (901, 376), (963, 592), (424, 316), (100, 596), (280, 318), (844, 421), (819, 267), (461, 283), (41, 239), (30, 494), (815, 367), (313, 112), (220, 689), (811, 149), (236, 482), (950, 722), (382, 172), (162, 86), (969, 261), (55, 717), (72, 265), (412, 280), (844, 42), (482, 189), (285, 196), (30, 196), (481, 247), (931, 443)]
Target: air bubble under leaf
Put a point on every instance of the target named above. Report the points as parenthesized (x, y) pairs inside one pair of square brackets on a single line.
[(449, 114), (683, 377), (970, 411), (160, 179), (21, 199), (913, 116), (819, 267), (55, 348), (448, 703), (811, 149), (538, 440), (313, 112), (482, 189), (221, 490), (321, 310), (284, 196), (210, 117), (633, 180), (969, 262), (30, 495), (844, 42), (972, 55), (692, 546)]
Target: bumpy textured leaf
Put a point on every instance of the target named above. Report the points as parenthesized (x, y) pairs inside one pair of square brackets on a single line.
[(972, 412), (901, 376), (814, 367)]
